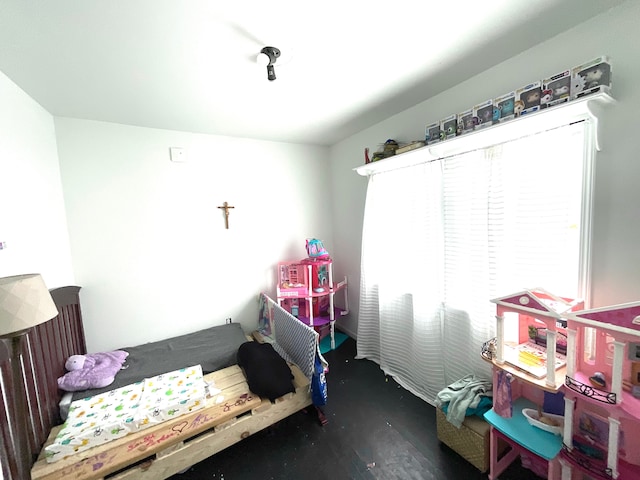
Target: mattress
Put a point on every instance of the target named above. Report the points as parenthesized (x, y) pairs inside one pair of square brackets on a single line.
[(98, 419), (213, 348)]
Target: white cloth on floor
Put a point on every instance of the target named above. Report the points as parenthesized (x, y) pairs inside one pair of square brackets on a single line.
[(461, 395)]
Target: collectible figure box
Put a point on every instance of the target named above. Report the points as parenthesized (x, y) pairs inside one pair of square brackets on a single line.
[(483, 114), (503, 107), (432, 133), (448, 127), (556, 89), (465, 121), (528, 99), (592, 77)]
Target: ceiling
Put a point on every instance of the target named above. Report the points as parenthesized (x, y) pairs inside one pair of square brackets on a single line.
[(190, 65)]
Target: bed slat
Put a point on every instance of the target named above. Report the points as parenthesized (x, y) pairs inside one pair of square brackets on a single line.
[(45, 351)]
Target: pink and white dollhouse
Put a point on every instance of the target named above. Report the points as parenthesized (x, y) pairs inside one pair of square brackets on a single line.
[(602, 394), (536, 310), (597, 377), (306, 290), (521, 362)]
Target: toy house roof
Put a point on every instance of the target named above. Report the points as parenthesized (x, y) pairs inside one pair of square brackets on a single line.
[(537, 301), (625, 316)]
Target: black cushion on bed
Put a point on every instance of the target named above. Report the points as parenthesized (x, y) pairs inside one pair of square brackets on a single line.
[(213, 348), (268, 375)]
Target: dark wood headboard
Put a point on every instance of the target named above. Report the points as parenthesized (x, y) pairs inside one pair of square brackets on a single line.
[(45, 351)]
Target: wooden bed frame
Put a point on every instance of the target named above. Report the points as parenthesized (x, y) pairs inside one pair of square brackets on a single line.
[(154, 453), (166, 449), (45, 350)]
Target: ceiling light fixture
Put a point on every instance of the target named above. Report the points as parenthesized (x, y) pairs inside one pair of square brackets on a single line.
[(268, 57)]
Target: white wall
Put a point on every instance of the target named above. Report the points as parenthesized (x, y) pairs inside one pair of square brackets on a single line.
[(616, 256), (32, 216), (148, 242)]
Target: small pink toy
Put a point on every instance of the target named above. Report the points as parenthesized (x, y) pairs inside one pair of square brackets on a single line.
[(315, 249)]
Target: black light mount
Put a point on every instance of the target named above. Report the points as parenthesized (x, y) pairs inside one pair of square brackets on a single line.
[(272, 54)]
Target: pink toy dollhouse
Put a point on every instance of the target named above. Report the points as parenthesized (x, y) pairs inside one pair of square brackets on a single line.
[(306, 290), (523, 363), (602, 394), (599, 380), (541, 335)]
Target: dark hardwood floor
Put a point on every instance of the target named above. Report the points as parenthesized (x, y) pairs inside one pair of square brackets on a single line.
[(376, 430)]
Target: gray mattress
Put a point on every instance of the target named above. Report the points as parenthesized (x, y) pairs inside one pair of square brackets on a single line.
[(213, 348)]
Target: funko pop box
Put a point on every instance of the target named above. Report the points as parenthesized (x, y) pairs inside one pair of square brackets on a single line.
[(483, 114), (504, 107), (591, 77), (448, 127), (465, 121), (556, 89), (528, 98), (432, 133)]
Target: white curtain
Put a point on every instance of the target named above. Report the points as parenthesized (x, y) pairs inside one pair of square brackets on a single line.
[(442, 238)]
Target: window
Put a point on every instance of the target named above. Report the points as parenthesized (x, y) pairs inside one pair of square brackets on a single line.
[(444, 236)]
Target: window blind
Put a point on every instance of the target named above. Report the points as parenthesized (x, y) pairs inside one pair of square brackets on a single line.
[(442, 238)]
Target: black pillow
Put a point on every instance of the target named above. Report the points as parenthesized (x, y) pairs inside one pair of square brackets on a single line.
[(268, 375)]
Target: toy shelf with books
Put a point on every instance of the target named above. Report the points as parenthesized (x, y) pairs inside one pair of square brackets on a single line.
[(538, 327), (306, 289), (602, 394)]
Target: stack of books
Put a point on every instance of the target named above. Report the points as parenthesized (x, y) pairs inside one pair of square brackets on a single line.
[(531, 358), (410, 146)]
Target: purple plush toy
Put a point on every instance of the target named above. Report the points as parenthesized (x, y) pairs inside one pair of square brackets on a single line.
[(94, 370)]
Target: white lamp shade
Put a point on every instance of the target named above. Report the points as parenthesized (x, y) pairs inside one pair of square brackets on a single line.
[(25, 302)]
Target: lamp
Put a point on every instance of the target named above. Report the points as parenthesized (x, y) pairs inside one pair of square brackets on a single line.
[(25, 302), (267, 57)]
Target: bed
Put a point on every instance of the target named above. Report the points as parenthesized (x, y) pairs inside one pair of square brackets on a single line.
[(231, 414)]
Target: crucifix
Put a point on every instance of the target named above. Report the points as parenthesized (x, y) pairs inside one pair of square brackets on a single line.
[(226, 207)]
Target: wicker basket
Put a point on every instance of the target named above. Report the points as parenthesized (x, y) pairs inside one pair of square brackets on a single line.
[(471, 440)]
